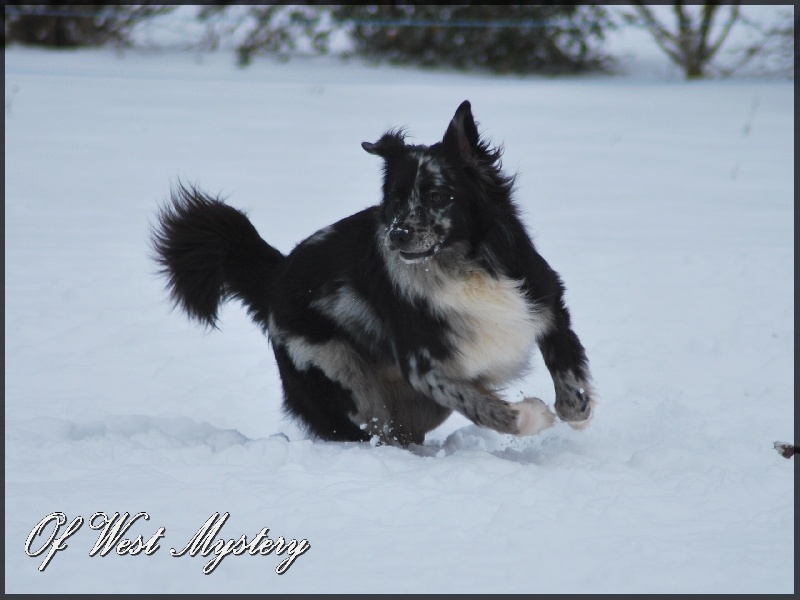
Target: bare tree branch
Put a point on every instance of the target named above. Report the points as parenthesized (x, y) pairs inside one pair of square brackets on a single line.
[(663, 38), (709, 10), (686, 39), (734, 16)]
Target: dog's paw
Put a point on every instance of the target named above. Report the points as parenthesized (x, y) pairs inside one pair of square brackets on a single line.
[(583, 423), (533, 416)]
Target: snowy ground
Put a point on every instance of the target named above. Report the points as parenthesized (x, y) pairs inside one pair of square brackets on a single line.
[(667, 207)]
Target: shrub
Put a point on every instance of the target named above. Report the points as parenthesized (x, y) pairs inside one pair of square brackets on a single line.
[(68, 25), (503, 38)]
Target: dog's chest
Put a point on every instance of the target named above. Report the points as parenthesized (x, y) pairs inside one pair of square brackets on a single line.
[(493, 327)]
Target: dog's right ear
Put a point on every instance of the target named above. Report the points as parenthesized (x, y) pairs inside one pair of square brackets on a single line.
[(390, 144), (462, 134)]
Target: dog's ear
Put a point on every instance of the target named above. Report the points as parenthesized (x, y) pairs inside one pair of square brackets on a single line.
[(462, 136), (390, 144)]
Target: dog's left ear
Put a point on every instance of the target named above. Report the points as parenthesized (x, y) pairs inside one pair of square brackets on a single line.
[(462, 136), (390, 144)]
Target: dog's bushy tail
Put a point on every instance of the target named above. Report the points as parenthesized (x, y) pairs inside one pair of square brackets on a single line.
[(210, 252)]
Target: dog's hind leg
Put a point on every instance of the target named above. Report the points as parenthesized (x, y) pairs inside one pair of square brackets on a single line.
[(321, 405), (566, 360)]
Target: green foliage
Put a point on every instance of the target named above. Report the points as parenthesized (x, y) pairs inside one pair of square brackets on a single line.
[(269, 29), (68, 25), (503, 38)]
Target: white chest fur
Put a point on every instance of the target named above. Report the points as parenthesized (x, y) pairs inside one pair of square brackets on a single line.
[(494, 328)]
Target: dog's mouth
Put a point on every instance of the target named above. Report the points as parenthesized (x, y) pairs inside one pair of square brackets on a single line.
[(412, 257), (412, 246)]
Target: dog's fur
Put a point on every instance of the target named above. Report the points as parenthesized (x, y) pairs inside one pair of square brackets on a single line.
[(387, 321)]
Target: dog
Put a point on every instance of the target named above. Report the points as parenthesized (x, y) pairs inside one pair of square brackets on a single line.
[(387, 321)]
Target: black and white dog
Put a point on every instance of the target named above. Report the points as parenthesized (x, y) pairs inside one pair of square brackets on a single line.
[(387, 321)]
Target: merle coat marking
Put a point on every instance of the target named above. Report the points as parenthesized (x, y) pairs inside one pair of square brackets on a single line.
[(387, 321)]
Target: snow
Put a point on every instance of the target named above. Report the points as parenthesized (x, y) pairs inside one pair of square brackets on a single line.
[(667, 208)]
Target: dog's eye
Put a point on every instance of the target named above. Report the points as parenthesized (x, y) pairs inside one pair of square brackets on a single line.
[(436, 197)]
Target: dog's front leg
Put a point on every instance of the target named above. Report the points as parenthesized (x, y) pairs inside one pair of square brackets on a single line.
[(566, 360), (476, 402)]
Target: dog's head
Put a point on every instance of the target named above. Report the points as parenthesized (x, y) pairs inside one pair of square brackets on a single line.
[(437, 196)]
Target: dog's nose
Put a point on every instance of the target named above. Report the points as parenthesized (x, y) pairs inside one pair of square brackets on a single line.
[(400, 236)]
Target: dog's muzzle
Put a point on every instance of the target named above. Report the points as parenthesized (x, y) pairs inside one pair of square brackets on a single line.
[(412, 244)]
